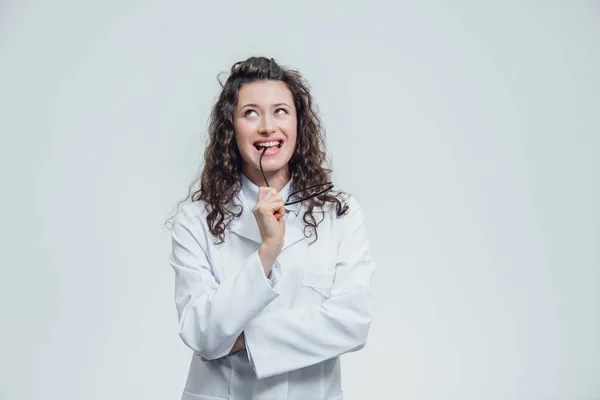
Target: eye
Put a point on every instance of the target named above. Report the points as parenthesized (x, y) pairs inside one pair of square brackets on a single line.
[(280, 109), (249, 112)]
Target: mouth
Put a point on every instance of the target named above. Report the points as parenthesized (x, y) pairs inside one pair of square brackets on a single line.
[(269, 145)]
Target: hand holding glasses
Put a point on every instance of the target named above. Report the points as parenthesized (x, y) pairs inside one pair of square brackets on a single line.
[(297, 197)]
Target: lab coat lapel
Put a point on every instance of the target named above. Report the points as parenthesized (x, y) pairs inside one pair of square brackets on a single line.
[(294, 227), (245, 225)]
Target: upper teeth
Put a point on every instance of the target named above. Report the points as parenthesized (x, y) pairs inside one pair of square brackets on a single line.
[(268, 144)]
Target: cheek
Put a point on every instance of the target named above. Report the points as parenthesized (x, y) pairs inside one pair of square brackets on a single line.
[(291, 133), (242, 133), (292, 141)]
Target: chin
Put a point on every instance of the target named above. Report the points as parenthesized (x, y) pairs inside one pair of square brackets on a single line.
[(271, 168)]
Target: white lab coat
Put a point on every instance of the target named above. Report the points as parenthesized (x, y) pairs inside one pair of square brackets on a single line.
[(315, 307)]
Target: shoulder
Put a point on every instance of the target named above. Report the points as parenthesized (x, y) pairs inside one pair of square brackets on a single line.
[(190, 213), (347, 199), (191, 216), (352, 216), (190, 228), (353, 203)]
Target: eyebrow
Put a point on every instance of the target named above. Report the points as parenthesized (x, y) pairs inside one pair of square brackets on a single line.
[(257, 106)]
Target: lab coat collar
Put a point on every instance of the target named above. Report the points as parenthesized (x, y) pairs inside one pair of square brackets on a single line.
[(246, 225), (250, 193)]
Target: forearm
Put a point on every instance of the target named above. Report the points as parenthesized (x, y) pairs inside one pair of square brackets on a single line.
[(267, 255), (211, 323), (239, 345), (290, 339)]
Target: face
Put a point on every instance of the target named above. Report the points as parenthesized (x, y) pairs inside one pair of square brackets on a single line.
[(265, 116)]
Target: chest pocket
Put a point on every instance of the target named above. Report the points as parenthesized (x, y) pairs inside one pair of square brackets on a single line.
[(317, 282)]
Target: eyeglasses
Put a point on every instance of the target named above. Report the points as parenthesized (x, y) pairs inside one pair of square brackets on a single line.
[(298, 196)]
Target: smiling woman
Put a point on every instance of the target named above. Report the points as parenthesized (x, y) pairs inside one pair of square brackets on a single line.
[(267, 312), (266, 117)]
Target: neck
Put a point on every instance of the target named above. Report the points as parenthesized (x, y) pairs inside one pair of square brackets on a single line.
[(277, 179)]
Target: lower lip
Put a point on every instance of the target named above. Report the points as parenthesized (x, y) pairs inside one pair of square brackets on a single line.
[(272, 151)]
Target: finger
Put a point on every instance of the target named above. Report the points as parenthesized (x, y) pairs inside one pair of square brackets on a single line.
[(264, 198), (267, 195), (270, 195), (278, 207), (281, 223), (265, 192), (269, 206), (280, 212), (268, 209), (269, 200)]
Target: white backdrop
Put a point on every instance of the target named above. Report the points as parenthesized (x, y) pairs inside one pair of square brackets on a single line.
[(469, 132)]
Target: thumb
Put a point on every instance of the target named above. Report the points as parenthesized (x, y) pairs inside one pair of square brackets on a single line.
[(261, 193)]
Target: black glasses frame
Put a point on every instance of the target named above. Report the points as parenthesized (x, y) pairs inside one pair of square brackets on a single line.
[(329, 187)]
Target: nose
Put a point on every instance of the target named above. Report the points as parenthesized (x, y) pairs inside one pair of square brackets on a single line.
[(267, 126)]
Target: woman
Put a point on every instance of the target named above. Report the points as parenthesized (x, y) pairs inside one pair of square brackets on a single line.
[(270, 288)]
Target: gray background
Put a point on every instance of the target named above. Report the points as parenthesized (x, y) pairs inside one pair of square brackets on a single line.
[(469, 131)]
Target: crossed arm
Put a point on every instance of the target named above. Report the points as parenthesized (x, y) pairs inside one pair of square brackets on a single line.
[(219, 319)]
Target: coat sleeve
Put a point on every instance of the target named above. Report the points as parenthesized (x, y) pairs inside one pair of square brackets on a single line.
[(213, 314), (289, 339)]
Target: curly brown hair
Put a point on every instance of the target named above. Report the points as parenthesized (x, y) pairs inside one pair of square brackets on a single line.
[(220, 179)]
